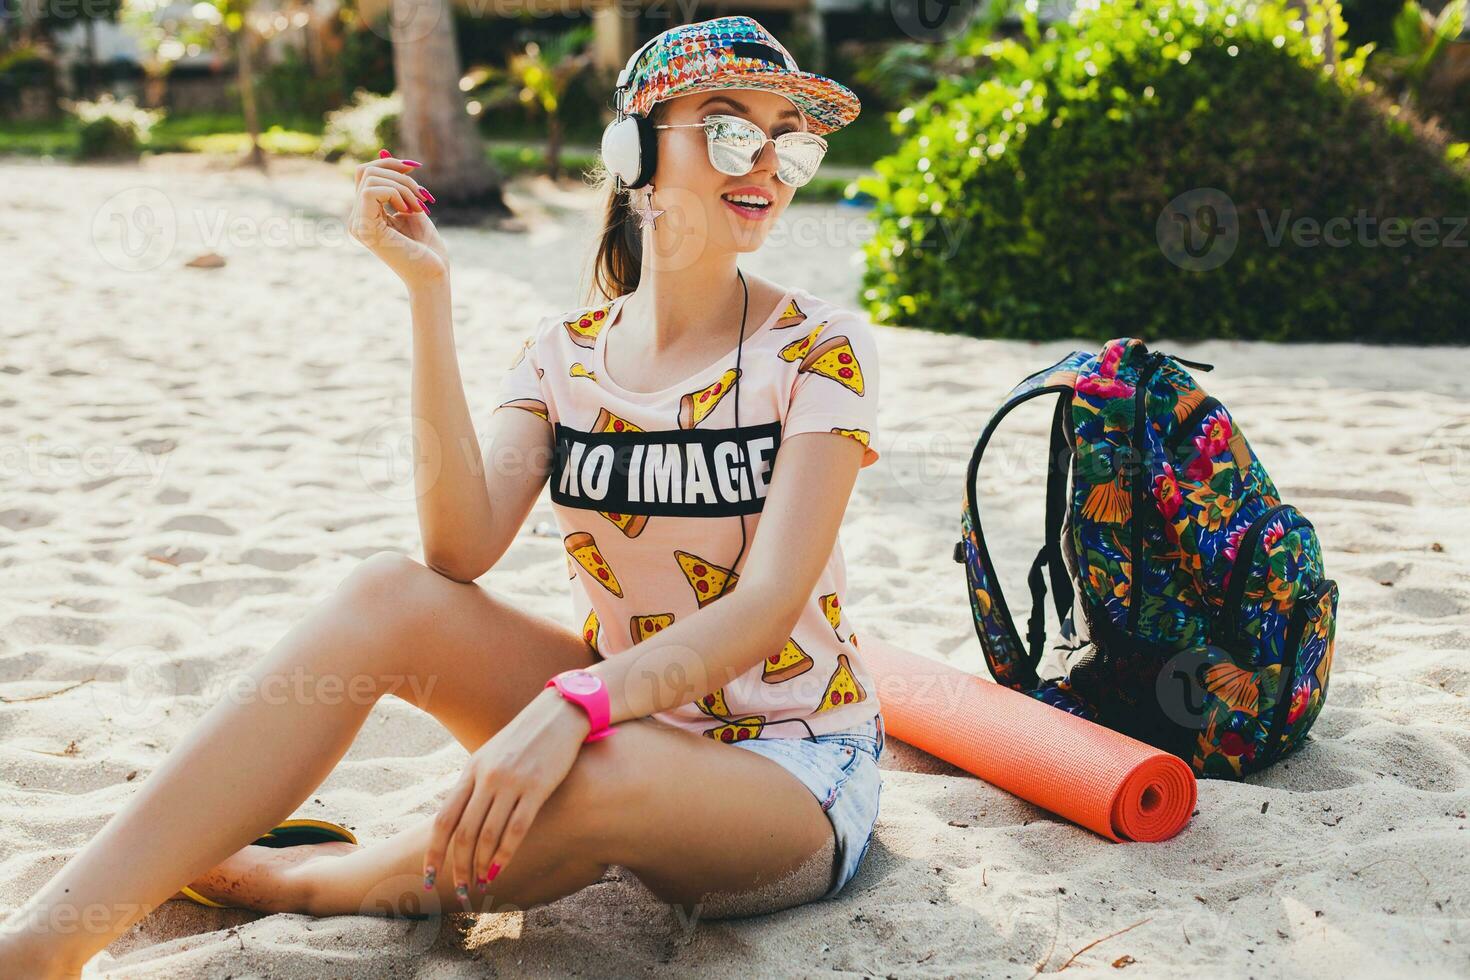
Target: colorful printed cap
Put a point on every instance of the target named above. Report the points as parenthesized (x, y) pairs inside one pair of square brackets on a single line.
[(735, 52)]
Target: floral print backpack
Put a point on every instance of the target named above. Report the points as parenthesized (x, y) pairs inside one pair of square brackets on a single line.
[(1209, 618)]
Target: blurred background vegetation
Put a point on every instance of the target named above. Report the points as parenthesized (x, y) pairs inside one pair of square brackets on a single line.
[(1019, 171), (1030, 195)]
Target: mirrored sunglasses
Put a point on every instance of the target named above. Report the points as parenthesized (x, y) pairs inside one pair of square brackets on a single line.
[(735, 143)]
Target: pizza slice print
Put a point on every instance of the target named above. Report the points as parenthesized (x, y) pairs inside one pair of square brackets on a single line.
[(790, 317), (608, 422), (642, 627), (738, 730), (533, 405), (579, 370), (861, 435), (629, 524), (843, 689), (791, 662), (591, 628), (584, 329), (832, 609), (713, 704), (695, 407), (834, 358), (798, 349), (583, 548), (707, 579)]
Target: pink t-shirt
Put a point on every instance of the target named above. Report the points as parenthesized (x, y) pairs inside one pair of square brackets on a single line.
[(649, 493)]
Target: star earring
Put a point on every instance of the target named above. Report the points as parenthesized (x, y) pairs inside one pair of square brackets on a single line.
[(646, 212)]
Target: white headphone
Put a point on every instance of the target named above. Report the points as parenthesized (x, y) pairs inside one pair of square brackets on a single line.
[(630, 143)]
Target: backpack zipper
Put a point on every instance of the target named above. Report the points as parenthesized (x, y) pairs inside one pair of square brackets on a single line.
[(1229, 609), (1191, 421), (1303, 609), (1140, 486)]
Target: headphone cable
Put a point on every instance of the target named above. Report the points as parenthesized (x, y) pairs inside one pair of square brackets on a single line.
[(750, 477)]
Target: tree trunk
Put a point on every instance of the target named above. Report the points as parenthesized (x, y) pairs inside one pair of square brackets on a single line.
[(435, 128), (247, 96), (553, 145), (91, 92)]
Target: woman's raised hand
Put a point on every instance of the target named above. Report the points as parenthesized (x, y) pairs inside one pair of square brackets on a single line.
[(390, 216), (502, 789)]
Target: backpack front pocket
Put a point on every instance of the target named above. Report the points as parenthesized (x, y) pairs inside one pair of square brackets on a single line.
[(1271, 629), (1303, 677)]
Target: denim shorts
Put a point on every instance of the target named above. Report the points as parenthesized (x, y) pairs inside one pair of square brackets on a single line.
[(841, 770)]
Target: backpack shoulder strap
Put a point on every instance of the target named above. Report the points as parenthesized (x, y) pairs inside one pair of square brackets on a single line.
[(1010, 663)]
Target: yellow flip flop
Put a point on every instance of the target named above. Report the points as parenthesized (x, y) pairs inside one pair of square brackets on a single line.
[(298, 830)]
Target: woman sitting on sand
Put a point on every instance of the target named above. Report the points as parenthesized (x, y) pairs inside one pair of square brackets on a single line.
[(657, 418)]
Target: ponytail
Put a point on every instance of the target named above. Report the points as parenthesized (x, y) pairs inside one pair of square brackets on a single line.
[(618, 262)]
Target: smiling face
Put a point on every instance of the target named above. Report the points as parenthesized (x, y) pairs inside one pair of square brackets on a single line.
[(685, 178)]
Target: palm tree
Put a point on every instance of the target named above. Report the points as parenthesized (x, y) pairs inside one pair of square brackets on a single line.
[(538, 78), (435, 128)]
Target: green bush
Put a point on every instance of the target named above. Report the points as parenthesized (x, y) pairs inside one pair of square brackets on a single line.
[(1031, 198), (362, 127), (112, 127)]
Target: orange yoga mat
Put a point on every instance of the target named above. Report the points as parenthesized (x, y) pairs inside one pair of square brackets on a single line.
[(1117, 786)]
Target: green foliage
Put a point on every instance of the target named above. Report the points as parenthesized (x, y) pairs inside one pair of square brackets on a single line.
[(290, 85), (1026, 199), (112, 127), (25, 64), (362, 127), (275, 140), (23, 67)]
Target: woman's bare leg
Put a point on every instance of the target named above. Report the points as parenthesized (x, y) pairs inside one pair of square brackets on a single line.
[(715, 829), (299, 711), (669, 805)]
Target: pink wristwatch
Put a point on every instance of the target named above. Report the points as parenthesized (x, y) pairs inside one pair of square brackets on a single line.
[(586, 689)]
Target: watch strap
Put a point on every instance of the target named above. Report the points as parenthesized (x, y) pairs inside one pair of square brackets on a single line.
[(594, 701)]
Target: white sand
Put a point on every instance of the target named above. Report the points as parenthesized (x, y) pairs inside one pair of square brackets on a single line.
[(194, 457)]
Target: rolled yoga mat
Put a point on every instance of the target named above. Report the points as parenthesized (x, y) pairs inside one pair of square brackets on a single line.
[(1103, 780)]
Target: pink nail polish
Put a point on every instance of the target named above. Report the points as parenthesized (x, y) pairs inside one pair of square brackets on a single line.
[(426, 195), (412, 163), (494, 870), (383, 153)]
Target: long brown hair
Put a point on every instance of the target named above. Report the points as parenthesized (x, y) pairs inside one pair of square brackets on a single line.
[(618, 261)]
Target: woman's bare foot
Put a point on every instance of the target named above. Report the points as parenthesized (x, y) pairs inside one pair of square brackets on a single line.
[(254, 877)]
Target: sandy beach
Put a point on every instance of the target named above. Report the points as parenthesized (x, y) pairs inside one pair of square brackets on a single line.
[(193, 457)]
